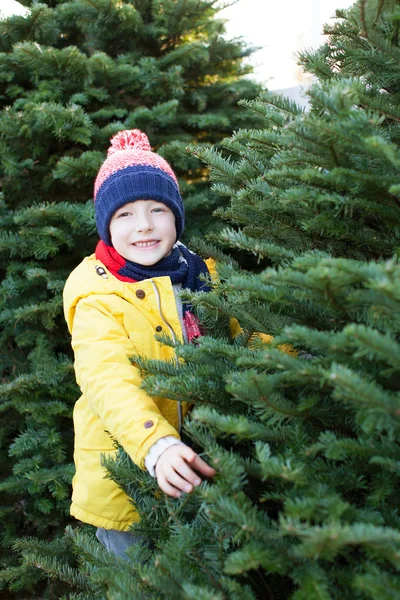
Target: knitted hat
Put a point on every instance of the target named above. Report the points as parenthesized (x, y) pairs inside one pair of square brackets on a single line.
[(132, 172)]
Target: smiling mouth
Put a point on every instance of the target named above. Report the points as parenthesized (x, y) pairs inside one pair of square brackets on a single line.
[(145, 244)]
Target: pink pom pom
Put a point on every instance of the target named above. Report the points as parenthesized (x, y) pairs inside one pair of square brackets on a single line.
[(130, 139)]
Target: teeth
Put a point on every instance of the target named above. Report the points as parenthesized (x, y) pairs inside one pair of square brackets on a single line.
[(145, 244)]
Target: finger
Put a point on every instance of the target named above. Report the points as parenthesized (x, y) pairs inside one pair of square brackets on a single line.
[(168, 488), (185, 471), (187, 453), (174, 478), (202, 467), (198, 463)]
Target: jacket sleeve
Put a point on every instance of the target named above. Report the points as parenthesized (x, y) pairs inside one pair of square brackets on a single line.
[(110, 383)]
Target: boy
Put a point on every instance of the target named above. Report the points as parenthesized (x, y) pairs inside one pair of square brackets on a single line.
[(114, 302)]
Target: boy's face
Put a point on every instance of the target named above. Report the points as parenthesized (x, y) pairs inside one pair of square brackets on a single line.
[(143, 231)]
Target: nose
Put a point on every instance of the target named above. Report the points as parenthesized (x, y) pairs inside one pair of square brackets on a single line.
[(144, 223)]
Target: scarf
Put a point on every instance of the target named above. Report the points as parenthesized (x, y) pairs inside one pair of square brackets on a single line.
[(182, 266)]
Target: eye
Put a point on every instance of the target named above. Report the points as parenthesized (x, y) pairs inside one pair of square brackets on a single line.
[(124, 214)]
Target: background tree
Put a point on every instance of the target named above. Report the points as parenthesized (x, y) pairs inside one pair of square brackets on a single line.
[(73, 73), (305, 503)]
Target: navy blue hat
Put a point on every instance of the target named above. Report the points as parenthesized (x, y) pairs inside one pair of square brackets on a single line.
[(132, 172)]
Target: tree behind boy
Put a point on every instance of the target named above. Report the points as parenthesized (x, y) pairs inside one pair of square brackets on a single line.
[(72, 74)]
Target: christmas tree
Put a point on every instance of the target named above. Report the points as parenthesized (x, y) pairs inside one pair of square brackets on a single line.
[(73, 73), (302, 428)]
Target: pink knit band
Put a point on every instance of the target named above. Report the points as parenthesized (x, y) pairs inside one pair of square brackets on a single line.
[(127, 158)]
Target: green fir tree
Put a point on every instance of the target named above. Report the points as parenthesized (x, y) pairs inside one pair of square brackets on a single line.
[(306, 443), (73, 73)]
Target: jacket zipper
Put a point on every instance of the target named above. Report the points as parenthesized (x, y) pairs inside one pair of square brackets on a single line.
[(158, 298)]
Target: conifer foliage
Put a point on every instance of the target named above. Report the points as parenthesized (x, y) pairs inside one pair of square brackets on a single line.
[(73, 73), (303, 429)]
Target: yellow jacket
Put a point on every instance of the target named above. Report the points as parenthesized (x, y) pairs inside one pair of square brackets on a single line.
[(109, 321)]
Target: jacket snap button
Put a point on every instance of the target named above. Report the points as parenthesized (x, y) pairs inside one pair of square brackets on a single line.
[(100, 271), (148, 424), (140, 294), (158, 328)]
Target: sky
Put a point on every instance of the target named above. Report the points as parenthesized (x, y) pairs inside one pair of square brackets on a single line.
[(281, 28)]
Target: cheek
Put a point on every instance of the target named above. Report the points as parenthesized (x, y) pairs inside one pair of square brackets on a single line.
[(118, 229), (170, 227), (113, 231)]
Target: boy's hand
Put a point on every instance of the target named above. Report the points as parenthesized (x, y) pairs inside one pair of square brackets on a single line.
[(177, 470)]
